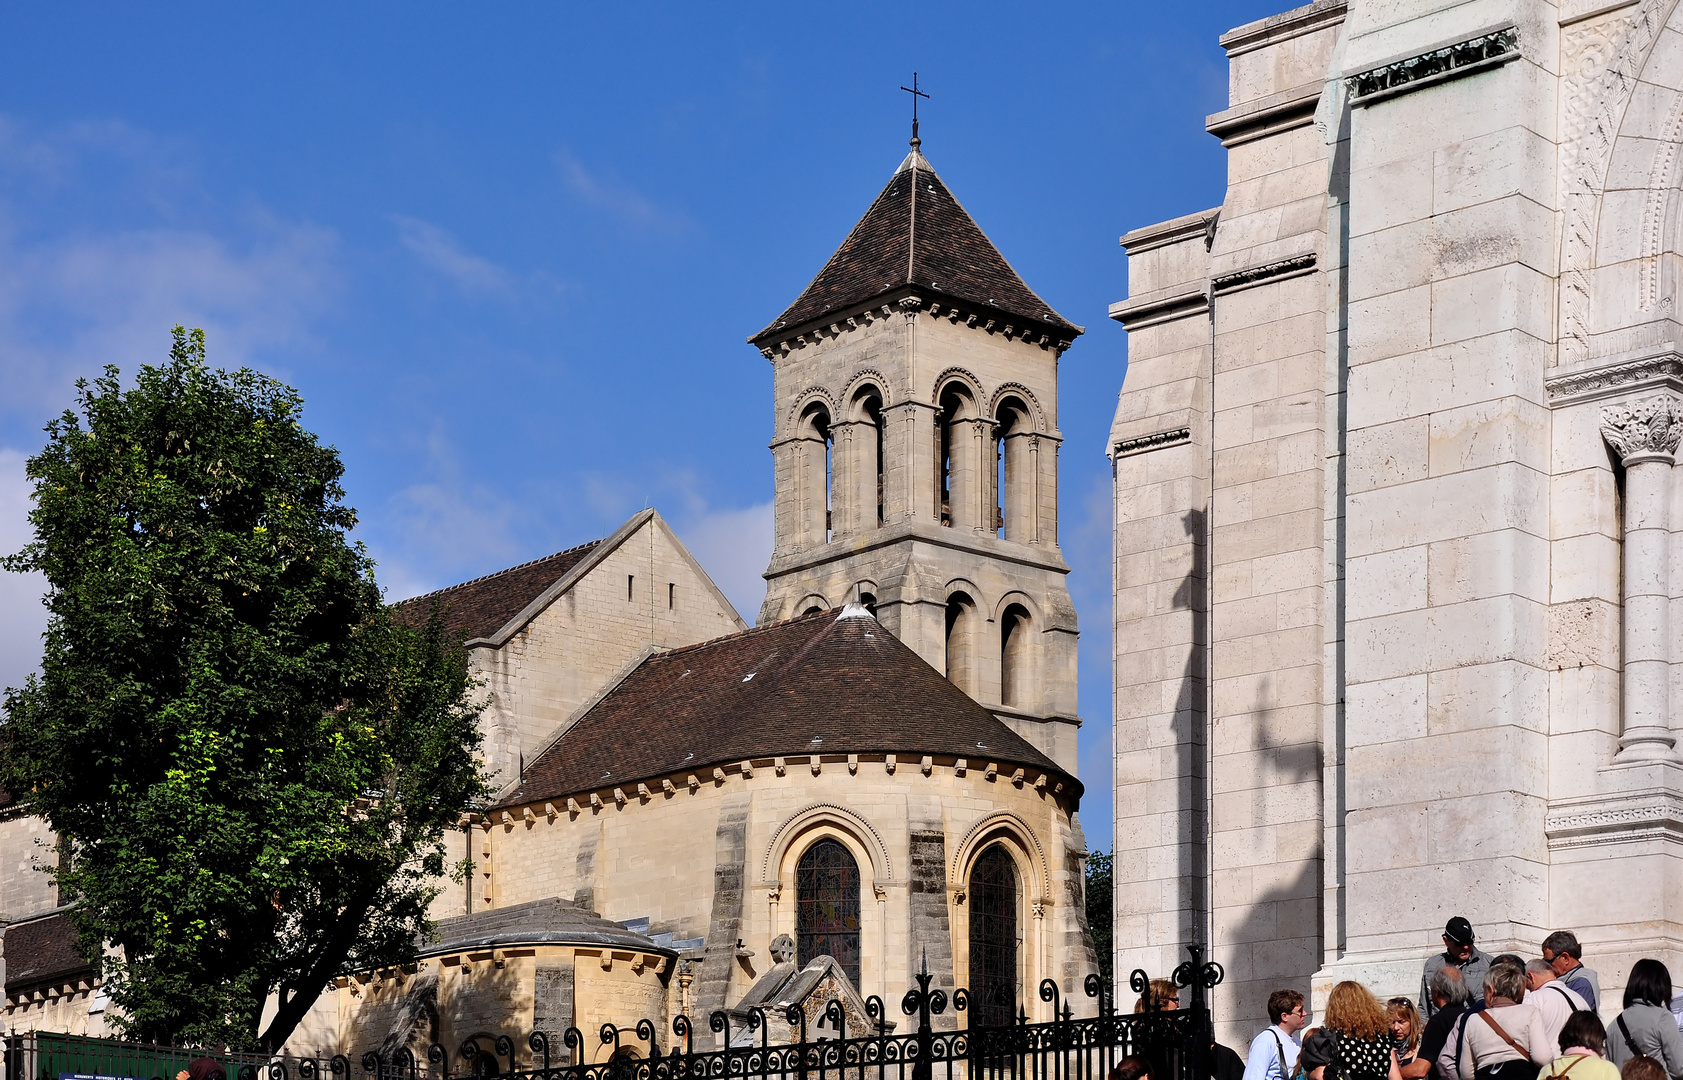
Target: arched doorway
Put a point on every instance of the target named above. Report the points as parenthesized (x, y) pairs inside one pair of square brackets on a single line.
[(827, 906), (993, 939)]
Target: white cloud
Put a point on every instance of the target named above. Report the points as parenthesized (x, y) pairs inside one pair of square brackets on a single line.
[(608, 193), (22, 618), (74, 307), (734, 547), (438, 250)]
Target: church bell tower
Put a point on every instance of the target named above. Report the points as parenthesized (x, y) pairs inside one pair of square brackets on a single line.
[(916, 455)]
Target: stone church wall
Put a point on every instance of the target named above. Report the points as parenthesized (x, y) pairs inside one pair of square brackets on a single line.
[(646, 591), (663, 857)]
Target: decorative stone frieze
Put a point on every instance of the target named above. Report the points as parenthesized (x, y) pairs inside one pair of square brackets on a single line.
[(1662, 370), (1440, 65), (1155, 441), (1653, 814), (1649, 426), (1258, 275)]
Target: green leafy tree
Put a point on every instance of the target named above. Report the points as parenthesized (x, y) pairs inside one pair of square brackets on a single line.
[(249, 762), (1101, 912)]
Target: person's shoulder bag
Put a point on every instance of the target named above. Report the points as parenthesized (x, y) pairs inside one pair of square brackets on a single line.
[(1280, 1048), (1523, 1069)]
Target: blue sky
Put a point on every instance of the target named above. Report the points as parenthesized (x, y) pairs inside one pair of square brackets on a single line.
[(509, 255)]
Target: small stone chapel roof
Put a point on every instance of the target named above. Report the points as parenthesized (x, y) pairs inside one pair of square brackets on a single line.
[(43, 950), (551, 920), (916, 237), (819, 684)]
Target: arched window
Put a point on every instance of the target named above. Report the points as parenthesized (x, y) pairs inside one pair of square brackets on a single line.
[(1014, 484), (961, 472), (993, 939), (961, 642), (813, 468), (1014, 659), (827, 906)]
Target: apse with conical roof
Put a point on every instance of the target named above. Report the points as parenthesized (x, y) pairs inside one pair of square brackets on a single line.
[(916, 453)]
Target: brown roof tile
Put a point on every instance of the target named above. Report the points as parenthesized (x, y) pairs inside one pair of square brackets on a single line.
[(42, 950), (481, 607), (818, 684), (943, 251)]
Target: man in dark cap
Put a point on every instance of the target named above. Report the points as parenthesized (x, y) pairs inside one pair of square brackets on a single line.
[(1458, 952)]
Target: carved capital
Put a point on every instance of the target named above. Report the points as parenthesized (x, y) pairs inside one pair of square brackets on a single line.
[(1649, 426)]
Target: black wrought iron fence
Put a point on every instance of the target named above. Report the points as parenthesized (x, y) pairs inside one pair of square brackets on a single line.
[(1176, 1043)]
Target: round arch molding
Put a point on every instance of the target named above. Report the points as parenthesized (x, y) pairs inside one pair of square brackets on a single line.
[(826, 819), (1019, 836), (868, 377), (962, 376), (805, 399), (1600, 130), (1037, 415)]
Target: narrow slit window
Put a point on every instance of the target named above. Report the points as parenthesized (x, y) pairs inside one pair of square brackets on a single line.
[(630, 583), (671, 595)]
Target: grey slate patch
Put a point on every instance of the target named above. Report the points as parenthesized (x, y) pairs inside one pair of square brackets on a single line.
[(725, 928), (931, 931), (552, 1008)]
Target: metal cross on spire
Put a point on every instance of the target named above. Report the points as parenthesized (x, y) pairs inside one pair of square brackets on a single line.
[(916, 93)]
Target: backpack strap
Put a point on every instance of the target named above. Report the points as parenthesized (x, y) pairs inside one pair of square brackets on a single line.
[(1524, 1054), (1554, 984), (1629, 1042)]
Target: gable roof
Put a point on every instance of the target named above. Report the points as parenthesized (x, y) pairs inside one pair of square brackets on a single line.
[(43, 950), (479, 608), (819, 684), (489, 610), (916, 234)]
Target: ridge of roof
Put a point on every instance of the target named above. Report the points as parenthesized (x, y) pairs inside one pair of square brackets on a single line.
[(586, 546), (817, 684), (904, 242), (490, 616)]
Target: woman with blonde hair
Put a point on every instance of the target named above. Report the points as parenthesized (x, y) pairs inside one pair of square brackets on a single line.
[(1405, 1029), (1363, 1028)]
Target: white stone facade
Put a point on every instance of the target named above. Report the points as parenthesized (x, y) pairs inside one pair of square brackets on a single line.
[(1441, 559)]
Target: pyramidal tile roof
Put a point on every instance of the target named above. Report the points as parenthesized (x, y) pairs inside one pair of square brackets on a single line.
[(916, 235), (828, 683)]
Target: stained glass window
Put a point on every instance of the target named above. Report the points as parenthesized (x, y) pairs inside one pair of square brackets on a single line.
[(993, 939), (827, 906)]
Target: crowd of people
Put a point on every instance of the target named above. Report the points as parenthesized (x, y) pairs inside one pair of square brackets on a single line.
[(1479, 1017)]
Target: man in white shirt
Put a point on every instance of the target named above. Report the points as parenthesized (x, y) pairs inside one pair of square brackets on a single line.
[(1551, 997), (1273, 1053)]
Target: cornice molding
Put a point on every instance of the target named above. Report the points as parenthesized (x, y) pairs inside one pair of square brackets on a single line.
[(1659, 369), (1155, 308), (1475, 54), (1156, 441), (1282, 27), (1174, 231), (911, 302), (1271, 115)]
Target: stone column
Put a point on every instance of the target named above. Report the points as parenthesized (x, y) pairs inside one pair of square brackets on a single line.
[(1646, 433)]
